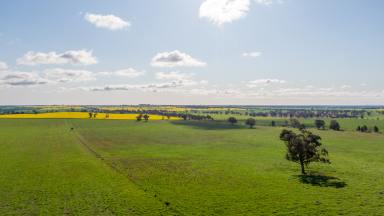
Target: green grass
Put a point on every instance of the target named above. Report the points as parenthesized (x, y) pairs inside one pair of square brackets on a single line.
[(180, 168), (45, 170), (223, 170)]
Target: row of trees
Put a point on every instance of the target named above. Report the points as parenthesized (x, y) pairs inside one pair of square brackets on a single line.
[(295, 123), (140, 117), (365, 129), (251, 122), (333, 125), (292, 113)]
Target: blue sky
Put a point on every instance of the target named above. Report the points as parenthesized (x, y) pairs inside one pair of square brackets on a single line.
[(192, 52)]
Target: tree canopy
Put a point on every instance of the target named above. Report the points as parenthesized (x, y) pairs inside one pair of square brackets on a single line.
[(232, 120), (320, 124), (304, 148), (334, 125), (250, 122)]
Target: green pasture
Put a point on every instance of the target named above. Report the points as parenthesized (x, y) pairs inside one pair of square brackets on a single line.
[(181, 168)]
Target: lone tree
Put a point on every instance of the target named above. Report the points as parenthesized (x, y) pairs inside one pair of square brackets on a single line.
[(334, 125), (232, 120), (90, 115), (146, 117), (304, 148), (375, 129), (273, 123), (250, 122), (139, 117), (320, 124)]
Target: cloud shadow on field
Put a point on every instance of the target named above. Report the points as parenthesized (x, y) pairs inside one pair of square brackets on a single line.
[(316, 179), (209, 125)]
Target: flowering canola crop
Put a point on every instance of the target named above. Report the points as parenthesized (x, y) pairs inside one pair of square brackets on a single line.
[(81, 115)]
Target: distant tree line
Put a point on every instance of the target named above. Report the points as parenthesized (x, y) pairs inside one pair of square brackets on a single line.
[(294, 113)]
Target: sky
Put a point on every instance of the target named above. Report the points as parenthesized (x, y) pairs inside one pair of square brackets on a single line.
[(202, 52)]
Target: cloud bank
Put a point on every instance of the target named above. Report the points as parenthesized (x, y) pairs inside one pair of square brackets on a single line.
[(66, 75), (22, 79), (77, 57)]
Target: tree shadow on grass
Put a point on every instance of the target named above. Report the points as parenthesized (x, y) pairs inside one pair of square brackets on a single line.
[(316, 179), (209, 125)]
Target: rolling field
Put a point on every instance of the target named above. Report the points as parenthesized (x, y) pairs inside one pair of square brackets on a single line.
[(180, 168)]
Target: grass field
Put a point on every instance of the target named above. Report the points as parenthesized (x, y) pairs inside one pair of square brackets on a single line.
[(180, 168), (45, 170)]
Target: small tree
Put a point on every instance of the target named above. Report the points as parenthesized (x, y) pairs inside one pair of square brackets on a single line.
[(94, 115), (295, 123), (334, 125), (375, 129), (320, 124), (232, 120), (250, 122), (364, 128), (139, 117), (146, 117), (358, 128), (273, 123), (303, 148), (90, 115)]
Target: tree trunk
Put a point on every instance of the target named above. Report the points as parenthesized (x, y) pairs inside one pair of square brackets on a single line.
[(302, 167)]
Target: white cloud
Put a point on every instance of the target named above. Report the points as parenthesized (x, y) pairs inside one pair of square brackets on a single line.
[(252, 54), (129, 72), (67, 75), (264, 2), (175, 82), (173, 76), (3, 66), (22, 79), (175, 59), (144, 87), (81, 57), (110, 22), (345, 86), (264, 82), (220, 12)]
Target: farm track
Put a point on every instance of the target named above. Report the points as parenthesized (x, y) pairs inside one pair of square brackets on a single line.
[(117, 169)]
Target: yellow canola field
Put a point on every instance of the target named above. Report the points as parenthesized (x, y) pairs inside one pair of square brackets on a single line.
[(167, 108), (81, 115)]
